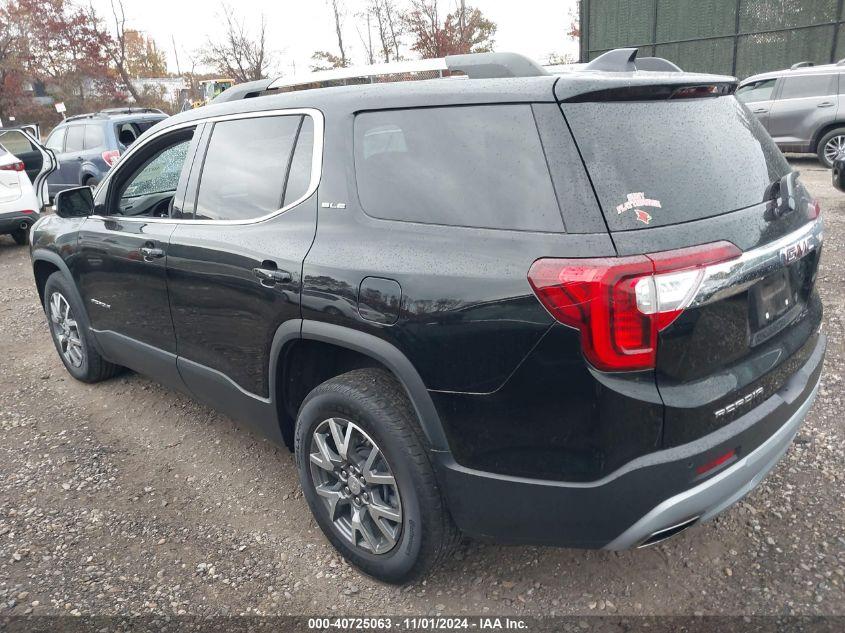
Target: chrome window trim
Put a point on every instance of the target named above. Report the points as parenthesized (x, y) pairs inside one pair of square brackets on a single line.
[(737, 275), (316, 164)]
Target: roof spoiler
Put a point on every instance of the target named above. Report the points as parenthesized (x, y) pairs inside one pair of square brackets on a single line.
[(243, 91), (624, 60)]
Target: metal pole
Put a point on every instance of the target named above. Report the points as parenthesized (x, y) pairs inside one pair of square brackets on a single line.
[(736, 37), (654, 30), (836, 32)]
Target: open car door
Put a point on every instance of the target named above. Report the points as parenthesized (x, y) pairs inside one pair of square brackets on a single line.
[(38, 161)]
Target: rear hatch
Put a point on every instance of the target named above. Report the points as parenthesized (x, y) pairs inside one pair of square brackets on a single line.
[(674, 173)]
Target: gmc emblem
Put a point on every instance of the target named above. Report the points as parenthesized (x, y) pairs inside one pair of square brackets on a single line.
[(794, 252)]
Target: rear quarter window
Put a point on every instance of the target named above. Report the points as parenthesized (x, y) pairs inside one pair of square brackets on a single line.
[(478, 166)]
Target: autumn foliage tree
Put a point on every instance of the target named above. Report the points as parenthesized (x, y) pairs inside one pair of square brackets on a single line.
[(56, 44), (464, 30)]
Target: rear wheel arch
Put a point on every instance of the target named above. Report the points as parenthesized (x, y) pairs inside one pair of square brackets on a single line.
[(814, 147), (306, 356)]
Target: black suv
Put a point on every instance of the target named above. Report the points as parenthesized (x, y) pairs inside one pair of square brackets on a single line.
[(574, 310)]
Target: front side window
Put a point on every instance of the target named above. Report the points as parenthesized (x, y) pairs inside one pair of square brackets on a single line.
[(75, 138), (56, 140), (245, 167), (802, 86), (152, 183), (480, 166), (756, 91)]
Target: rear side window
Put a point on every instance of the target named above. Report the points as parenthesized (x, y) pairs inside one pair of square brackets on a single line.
[(16, 143), (480, 166), (243, 175), (757, 91), (808, 86), (94, 138), (654, 163), (56, 140), (75, 138)]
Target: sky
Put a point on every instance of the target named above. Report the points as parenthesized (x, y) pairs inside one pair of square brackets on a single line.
[(297, 28)]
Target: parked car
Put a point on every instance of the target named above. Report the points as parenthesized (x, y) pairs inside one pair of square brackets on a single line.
[(837, 173), (800, 107), (24, 167), (586, 306), (87, 145)]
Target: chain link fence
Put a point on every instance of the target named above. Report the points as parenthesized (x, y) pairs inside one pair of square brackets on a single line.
[(732, 37)]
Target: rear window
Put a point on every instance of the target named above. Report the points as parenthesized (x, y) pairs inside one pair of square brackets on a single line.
[(480, 166), (664, 162)]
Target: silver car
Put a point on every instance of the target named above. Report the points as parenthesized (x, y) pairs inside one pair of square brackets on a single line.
[(801, 107)]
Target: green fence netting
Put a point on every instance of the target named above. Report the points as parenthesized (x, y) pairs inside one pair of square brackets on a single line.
[(734, 37)]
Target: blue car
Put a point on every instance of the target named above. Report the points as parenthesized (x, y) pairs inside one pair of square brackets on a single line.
[(87, 145)]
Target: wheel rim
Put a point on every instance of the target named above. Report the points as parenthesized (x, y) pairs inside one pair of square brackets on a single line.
[(66, 330), (834, 147), (356, 484)]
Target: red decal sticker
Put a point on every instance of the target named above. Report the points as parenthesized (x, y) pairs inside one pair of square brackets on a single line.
[(642, 216)]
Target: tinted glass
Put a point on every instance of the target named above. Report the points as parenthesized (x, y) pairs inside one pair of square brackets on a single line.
[(75, 138), (807, 86), (663, 162), (94, 138), (16, 142), (56, 140), (299, 176), (757, 91), (245, 165), (477, 166)]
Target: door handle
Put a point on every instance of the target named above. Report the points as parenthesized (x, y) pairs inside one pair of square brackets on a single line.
[(760, 110), (825, 104), (79, 159), (150, 253), (271, 276)]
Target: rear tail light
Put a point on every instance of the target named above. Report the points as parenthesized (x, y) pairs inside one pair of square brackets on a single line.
[(27, 211), (814, 210), (18, 166), (619, 304), (715, 463), (111, 157)]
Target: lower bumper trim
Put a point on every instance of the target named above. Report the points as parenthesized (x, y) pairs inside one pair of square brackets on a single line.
[(711, 497)]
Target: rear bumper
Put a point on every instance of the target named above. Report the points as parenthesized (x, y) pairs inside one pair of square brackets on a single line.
[(13, 221), (649, 495)]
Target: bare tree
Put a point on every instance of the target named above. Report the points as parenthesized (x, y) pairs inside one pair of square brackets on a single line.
[(367, 42), (116, 45), (385, 15), (337, 9), (238, 55)]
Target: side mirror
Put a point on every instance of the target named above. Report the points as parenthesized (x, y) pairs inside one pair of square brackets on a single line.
[(838, 173), (75, 203)]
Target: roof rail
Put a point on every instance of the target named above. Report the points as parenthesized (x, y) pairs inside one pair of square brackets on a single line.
[(243, 91), (624, 60), (801, 65), (131, 110), (77, 117), (472, 66)]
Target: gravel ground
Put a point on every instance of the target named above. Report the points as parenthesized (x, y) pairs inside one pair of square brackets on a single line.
[(126, 498)]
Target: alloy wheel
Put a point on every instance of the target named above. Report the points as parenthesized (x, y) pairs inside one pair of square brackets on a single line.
[(834, 148), (351, 475), (66, 330)]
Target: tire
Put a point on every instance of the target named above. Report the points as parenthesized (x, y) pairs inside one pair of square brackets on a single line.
[(374, 403), (836, 139), (21, 237), (70, 332)]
